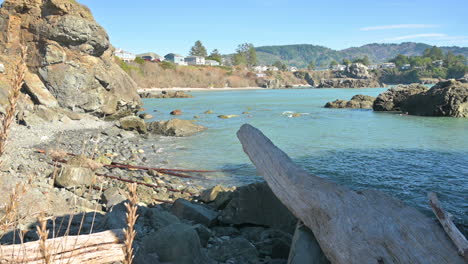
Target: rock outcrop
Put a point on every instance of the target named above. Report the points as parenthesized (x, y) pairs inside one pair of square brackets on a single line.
[(348, 83), (357, 71), (69, 58), (357, 101), (174, 128), (165, 94), (394, 98), (447, 98)]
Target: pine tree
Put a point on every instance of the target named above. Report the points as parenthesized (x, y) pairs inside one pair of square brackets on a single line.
[(198, 49)]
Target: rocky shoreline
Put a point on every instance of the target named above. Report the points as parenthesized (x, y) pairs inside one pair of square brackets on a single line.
[(214, 225)]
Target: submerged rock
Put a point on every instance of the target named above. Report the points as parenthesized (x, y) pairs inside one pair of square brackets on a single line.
[(227, 116), (348, 83), (176, 112), (175, 128)]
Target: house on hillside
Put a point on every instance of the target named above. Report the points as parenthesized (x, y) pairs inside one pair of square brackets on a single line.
[(260, 68), (388, 65), (373, 67), (124, 55), (339, 67), (211, 63), (405, 67), (151, 56), (195, 60), (273, 68), (438, 63), (175, 58)]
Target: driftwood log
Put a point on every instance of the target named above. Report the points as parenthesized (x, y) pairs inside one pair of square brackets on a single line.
[(104, 247), (350, 226), (452, 231)]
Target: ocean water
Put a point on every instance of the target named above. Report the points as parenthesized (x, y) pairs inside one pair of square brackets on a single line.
[(404, 156)]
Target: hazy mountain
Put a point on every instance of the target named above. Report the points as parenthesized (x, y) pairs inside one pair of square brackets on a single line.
[(301, 55)]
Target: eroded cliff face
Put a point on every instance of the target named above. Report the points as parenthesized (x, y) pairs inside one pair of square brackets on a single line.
[(70, 58)]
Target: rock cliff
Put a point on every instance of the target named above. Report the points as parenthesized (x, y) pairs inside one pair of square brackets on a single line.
[(70, 59)]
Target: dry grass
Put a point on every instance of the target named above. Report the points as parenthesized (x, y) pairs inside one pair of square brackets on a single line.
[(131, 220), (153, 75), (13, 97), (43, 234)]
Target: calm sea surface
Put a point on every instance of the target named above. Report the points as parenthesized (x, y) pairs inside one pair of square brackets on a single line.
[(404, 156)]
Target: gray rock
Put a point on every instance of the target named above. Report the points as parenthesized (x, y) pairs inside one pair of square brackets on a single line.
[(225, 231), (113, 196), (74, 176), (253, 233), (256, 204), (175, 127), (393, 98), (204, 233), (237, 247), (348, 83), (358, 71), (176, 243), (133, 123), (274, 243), (305, 248), (222, 200), (357, 101), (447, 98), (210, 195), (159, 218), (194, 212)]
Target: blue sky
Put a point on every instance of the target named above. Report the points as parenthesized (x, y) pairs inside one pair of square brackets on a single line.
[(166, 26)]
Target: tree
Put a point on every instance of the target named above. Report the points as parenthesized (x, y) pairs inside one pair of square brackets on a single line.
[(311, 65), (280, 65), (198, 49), (434, 53), (245, 54), (333, 63), (215, 55), (346, 62), (364, 60), (400, 60)]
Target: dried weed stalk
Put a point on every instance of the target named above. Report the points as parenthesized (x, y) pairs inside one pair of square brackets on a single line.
[(13, 97), (132, 216)]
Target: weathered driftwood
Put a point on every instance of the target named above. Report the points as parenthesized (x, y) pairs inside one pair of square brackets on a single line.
[(446, 220), (350, 226), (104, 247)]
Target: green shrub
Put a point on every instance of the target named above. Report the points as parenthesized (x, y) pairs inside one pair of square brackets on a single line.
[(167, 65), (139, 60)]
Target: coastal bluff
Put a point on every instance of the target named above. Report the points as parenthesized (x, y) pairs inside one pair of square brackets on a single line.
[(69, 59)]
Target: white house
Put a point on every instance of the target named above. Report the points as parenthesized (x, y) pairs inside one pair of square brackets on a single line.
[(273, 68), (211, 63), (387, 65), (261, 75), (438, 63), (124, 55), (175, 58), (405, 67), (260, 68), (339, 67), (195, 60), (292, 69)]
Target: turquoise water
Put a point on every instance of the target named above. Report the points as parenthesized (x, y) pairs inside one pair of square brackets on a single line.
[(405, 156)]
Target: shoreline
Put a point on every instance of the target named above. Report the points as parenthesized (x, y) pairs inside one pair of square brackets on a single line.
[(212, 89)]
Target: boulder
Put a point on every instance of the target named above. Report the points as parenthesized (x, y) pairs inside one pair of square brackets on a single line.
[(159, 218), (175, 128), (133, 123), (145, 116), (447, 98), (70, 59), (357, 71), (348, 83), (74, 176), (274, 243), (305, 248), (204, 233), (113, 196), (176, 243), (194, 212), (256, 204), (209, 195), (393, 98), (176, 112), (357, 101), (234, 248)]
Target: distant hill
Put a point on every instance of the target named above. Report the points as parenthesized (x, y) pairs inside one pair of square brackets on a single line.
[(302, 54)]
